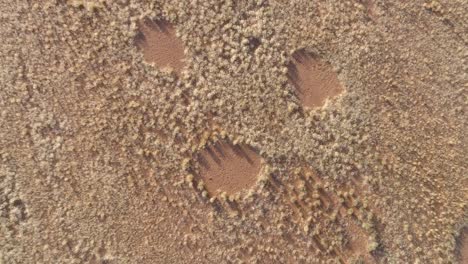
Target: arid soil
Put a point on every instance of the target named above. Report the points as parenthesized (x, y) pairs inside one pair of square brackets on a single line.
[(224, 167), (463, 246), (233, 131), (315, 81), (160, 45)]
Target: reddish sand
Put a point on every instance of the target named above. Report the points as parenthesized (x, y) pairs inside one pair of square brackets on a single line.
[(160, 45), (228, 168), (464, 246), (315, 81), (357, 247)]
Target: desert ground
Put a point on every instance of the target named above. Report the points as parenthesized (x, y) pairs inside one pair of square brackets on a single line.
[(234, 131)]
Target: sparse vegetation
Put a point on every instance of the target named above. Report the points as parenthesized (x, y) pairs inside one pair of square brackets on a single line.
[(97, 144)]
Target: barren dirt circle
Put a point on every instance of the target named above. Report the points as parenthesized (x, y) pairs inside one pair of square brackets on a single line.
[(229, 168)]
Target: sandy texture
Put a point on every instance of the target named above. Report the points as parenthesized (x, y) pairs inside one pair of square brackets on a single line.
[(463, 246), (160, 45), (315, 81), (225, 167), (98, 148)]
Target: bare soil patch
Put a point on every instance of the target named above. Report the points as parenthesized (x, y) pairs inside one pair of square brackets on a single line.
[(315, 80), (463, 246), (160, 45), (229, 168)]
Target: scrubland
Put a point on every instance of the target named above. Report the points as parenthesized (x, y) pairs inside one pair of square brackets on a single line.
[(102, 145)]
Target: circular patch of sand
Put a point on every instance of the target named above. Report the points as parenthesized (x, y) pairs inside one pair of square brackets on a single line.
[(160, 45), (229, 168), (315, 80)]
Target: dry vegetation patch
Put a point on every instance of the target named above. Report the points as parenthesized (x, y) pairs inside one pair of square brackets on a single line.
[(104, 159)]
